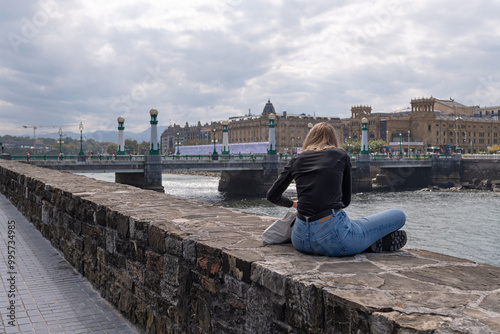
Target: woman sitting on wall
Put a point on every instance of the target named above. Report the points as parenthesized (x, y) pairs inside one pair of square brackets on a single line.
[(322, 174)]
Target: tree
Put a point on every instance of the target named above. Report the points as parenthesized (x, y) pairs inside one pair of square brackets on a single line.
[(131, 146), (374, 146), (495, 149), (111, 148)]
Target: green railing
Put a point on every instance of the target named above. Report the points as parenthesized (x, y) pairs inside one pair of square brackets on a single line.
[(75, 157), (211, 157)]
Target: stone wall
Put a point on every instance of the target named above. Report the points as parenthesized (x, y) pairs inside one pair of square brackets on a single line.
[(480, 173), (182, 266)]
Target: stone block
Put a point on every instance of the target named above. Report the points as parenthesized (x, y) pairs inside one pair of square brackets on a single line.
[(100, 216), (127, 303), (138, 231), (90, 247), (269, 279), (304, 306), (170, 269), (124, 280), (208, 265), (189, 250), (233, 286), (173, 245), (152, 281), (117, 260), (141, 313), (122, 225), (157, 240), (239, 264), (110, 241), (136, 271), (154, 262), (123, 247)]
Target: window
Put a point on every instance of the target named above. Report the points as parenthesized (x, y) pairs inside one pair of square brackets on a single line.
[(428, 128), (481, 141)]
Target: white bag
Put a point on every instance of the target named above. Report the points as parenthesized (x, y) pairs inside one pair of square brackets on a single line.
[(281, 230)]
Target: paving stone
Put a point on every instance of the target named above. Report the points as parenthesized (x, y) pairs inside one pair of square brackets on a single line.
[(48, 287)]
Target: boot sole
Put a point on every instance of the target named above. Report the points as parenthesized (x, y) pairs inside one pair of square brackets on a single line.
[(391, 242)]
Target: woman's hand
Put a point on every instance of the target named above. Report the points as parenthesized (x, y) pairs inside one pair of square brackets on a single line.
[(294, 205)]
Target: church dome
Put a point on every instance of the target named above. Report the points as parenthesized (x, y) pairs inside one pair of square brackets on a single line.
[(268, 108)]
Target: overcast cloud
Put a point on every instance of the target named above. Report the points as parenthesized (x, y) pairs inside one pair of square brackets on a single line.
[(63, 62)]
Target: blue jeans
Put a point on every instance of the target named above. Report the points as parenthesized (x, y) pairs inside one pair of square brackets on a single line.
[(339, 236)]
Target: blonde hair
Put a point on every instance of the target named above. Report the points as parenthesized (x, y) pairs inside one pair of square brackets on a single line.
[(321, 136)]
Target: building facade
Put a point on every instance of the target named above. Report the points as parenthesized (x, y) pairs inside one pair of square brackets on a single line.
[(186, 135), (430, 122), (290, 129)]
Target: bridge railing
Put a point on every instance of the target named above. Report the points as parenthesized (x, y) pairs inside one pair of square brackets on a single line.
[(481, 156), (219, 156), (34, 158), (399, 157)]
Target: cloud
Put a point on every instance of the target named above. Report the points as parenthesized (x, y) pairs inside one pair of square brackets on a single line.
[(64, 62)]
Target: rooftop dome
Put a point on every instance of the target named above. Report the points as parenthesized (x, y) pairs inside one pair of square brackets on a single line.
[(268, 108)]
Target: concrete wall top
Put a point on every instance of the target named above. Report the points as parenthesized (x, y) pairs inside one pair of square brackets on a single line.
[(280, 290)]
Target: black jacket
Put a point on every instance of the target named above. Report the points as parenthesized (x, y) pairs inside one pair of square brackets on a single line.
[(322, 179)]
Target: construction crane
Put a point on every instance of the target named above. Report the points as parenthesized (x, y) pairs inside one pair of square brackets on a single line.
[(34, 127)]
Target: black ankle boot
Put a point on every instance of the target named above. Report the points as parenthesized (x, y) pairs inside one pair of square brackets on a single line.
[(391, 242)]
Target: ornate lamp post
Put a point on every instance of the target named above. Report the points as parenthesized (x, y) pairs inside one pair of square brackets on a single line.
[(225, 137), (215, 150), (81, 154), (121, 138), (215, 156), (400, 144), (349, 145), (81, 139), (364, 136), (155, 146), (60, 142), (271, 149), (177, 144), (408, 143)]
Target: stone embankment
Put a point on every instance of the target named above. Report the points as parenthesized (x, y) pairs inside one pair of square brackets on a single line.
[(174, 265), (485, 184)]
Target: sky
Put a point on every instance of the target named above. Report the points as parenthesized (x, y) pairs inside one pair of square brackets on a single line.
[(66, 62)]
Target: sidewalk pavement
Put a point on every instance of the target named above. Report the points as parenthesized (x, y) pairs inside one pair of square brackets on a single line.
[(40, 292)]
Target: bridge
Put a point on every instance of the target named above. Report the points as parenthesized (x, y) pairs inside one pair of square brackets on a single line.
[(251, 175)]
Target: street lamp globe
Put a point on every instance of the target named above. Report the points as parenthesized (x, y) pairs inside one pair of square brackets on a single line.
[(153, 112)]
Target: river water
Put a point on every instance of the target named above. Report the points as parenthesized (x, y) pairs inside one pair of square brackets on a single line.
[(464, 224)]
